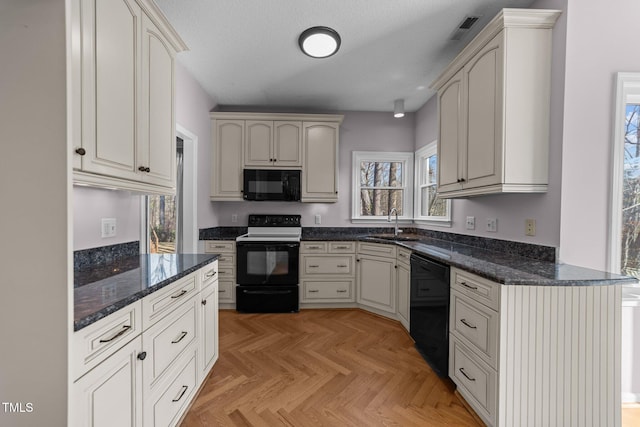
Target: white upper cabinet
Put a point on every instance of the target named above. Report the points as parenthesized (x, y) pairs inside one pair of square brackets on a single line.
[(122, 102), (279, 141), (273, 144), (493, 104)]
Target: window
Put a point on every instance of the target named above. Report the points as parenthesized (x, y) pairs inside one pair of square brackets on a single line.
[(625, 227), (382, 181), (428, 207)]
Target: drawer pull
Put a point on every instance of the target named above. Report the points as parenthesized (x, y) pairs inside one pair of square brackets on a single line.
[(182, 292), (467, 324), (204, 302), (314, 266), (342, 266), (210, 275), (219, 246), (425, 289), (182, 335), (313, 290), (184, 390), (313, 247), (221, 291), (342, 247), (465, 374), (125, 328), (475, 288), (341, 291)]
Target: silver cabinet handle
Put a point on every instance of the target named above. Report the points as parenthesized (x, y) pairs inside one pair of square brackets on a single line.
[(467, 324), (124, 329), (475, 288), (465, 374), (182, 292), (184, 390), (182, 335)]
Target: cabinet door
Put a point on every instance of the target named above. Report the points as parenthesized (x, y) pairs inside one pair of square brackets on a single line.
[(209, 329), (483, 78), (226, 174), (157, 144), (258, 143), (451, 127), (404, 291), (287, 144), (377, 282), (111, 45), (320, 162), (111, 393)]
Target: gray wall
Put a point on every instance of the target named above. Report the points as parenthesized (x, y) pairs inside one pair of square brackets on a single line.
[(36, 279)]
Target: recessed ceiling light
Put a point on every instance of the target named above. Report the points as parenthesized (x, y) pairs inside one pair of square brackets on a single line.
[(319, 42)]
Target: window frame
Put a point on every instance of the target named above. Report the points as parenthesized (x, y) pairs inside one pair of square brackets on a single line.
[(627, 91), (382, 156), (431, 149)]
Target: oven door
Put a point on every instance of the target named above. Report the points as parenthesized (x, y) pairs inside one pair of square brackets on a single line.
[(267, 263)]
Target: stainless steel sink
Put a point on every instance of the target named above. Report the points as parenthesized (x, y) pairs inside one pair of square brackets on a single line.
[(399, 237)]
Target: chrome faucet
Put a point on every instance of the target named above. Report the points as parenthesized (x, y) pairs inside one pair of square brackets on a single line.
[(391, 212)]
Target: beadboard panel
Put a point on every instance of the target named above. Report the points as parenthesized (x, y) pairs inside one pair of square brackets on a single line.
[(559, 353)]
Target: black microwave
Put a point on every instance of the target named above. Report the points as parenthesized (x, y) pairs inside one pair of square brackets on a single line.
[(272, 184)]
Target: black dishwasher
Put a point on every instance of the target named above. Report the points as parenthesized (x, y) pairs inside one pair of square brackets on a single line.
[(429, 315)]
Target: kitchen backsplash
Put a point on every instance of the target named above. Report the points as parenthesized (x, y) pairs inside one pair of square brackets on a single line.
[(85, 258)]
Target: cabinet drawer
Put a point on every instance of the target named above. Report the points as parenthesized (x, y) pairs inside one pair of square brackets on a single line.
[(165, 409), (339, 290), (208, 274), (227, 260), (313, 247), (220, 246), (480, 289), (167, 339), (342, 265), (377, 249), (404, 256), (156, 305), (226, 272), (476, 381), (96, 342), (342, 247), (226, 291), (476, 324)]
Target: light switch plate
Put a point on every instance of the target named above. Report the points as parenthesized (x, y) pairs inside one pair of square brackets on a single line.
[(471, 223), (492, 225), (108, 227), (318, 219)]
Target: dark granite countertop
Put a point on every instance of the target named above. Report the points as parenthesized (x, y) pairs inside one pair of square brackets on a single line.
[(104, 289), (506, 262)]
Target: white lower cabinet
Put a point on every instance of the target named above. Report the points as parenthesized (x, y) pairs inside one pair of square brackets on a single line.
[(403, 283), (143, 365), (111, 393), (226, 269), (376, 276), (327, 273)]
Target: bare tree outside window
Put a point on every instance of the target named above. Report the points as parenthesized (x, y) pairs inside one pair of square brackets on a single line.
[(381, 187), (630, 239)]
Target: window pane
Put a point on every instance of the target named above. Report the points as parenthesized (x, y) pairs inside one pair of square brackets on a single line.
[(630, 262), (379, 202), (433, 165), (381, 174), (162, 224), (430, 205)]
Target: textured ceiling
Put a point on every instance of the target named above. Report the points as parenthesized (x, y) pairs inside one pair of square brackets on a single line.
[(244, 53)]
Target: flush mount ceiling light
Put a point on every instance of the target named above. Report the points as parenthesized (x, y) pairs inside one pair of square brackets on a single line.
[(398, 108), (319, 42)]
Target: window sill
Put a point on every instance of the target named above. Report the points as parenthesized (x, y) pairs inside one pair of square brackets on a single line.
[(434, 222), (404, 221)]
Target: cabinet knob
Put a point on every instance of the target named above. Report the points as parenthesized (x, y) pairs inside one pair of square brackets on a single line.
[(81, 151), (142, 355), (144, 169), (204, 302)]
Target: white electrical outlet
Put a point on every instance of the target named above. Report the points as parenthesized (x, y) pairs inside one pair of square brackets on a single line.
[(234, 217), (530, 227), (471, 223), (492, 225), (108, 227), (318, 219)]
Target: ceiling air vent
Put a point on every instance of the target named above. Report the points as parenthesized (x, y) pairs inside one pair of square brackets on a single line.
[(464, 27)]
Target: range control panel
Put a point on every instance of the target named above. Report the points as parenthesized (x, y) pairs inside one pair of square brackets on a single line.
[(274, 220)]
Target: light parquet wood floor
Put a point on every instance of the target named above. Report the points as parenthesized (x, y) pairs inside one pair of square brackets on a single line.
[(321, 368)]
